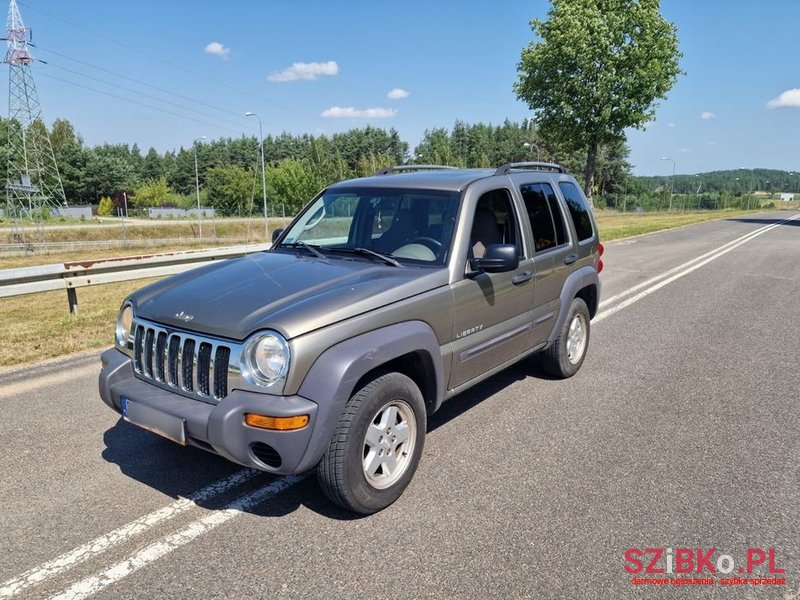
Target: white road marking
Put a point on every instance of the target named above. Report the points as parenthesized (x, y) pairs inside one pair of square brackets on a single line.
[(104, 542), (682, 270), (652, 280), (148, 554)]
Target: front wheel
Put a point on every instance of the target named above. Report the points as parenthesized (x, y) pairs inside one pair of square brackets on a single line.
[(565, 356), (377, 445)]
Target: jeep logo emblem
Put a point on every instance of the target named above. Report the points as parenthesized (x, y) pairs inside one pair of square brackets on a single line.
[(184, 317)]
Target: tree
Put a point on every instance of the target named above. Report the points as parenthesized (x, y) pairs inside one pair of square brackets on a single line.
[(106, 207), (230, 189), (595, 68), (154, 192)]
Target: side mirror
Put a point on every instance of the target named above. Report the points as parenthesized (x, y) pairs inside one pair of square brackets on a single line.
[(276, 233), (498, 258)]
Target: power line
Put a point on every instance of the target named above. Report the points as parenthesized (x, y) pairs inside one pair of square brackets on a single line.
[(139, 82), (140, 93), (150, 106), (155, 57)]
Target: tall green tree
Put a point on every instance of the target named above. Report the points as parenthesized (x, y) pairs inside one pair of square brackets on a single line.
[(230, 189), (595, 68)]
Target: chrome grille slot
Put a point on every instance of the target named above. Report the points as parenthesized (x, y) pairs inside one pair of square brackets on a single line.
[(203, 365), (173, 349), (221, 361), (138, 341), (160, 355), (187, 377), (148, 353), (190, 364)]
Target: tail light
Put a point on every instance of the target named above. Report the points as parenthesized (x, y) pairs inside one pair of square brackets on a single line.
[(600, 250)]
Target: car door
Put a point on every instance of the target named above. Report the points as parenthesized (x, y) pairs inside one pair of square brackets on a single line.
[(553, 253), (492, 315)]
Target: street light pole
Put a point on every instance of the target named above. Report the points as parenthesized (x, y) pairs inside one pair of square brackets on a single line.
[(672, 183), (197, 183), (263, 173)]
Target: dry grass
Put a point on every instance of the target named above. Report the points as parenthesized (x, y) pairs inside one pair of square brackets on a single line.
[(39, 326), (614, 225)]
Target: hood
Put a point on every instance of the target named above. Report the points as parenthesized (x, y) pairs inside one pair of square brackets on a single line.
[(287, 292)]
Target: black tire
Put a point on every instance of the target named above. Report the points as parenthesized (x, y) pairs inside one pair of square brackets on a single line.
[(556, 359), (341, 472)]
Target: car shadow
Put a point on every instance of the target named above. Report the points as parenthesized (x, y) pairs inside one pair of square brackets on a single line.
[(769, 221), (179, 472)]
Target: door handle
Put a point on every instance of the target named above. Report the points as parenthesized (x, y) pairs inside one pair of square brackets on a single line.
[(570, 259), (522, 277)]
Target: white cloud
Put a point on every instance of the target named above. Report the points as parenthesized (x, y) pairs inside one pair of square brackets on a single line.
[(305, 71), (398, 94), (712, 143), (671, 125), (337, 112), (707, 115), (684, 149), (788, 99), (219, 50)]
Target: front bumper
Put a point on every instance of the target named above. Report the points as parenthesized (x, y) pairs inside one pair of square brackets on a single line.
[(217, 428)]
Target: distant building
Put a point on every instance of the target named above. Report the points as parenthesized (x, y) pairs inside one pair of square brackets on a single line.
[(787, 197), (178, 213), (75, 212)]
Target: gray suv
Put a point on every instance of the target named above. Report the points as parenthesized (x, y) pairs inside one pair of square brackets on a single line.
[(383, 298)]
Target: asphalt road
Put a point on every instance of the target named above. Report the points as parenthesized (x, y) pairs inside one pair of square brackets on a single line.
[(681, 430)]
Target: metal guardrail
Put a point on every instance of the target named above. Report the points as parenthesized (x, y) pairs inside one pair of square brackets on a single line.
[(11, 249), (72, 275)]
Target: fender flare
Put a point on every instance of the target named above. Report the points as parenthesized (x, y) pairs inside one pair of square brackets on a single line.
[(332, 378), (574, 283)]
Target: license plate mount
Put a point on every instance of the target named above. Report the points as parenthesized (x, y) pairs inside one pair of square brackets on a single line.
[(167, 426)]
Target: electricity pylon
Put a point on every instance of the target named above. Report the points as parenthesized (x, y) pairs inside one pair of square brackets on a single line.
[(33, 183)]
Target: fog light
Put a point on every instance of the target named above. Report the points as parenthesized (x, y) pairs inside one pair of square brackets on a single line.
[(276, 423)]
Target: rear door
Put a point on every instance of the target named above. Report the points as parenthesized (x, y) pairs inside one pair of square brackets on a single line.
[(553, 252)]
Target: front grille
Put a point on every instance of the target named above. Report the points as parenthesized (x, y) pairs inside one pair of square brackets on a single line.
[(176, 359)]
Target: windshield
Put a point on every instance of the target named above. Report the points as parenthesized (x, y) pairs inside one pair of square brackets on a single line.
[(406, 224)]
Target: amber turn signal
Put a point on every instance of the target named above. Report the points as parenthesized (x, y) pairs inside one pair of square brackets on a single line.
[(276, 423)]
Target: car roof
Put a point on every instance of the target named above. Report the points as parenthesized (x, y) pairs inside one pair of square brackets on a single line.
[(440, 179)]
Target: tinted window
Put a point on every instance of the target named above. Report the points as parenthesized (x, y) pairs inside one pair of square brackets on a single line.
[(546, 221), (577, 209)]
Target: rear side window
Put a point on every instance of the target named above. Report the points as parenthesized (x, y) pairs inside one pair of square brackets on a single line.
[(577, 209), (545, 217)]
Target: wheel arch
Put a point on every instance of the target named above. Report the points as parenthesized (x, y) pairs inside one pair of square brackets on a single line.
[(410, 348), (583, 283)]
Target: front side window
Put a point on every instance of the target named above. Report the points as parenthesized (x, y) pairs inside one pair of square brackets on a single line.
[(405, 224), (493, 223), (577, 210)]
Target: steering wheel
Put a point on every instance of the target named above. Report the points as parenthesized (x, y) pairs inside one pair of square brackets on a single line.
[(431, 244)]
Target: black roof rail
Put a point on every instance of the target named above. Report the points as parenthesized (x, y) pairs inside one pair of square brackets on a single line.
[(530, 166), (408, 168)]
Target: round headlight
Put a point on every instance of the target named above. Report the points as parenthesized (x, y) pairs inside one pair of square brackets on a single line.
[(124, 323), (266, 358)]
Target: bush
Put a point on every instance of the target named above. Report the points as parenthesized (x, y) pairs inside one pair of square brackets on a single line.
[(106, 207)]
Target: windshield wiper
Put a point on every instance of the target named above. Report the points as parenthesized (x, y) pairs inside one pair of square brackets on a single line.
[(309, 247), (367, 252)]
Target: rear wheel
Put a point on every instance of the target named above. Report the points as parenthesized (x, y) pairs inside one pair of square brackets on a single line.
[(377, 445), (565, 356)]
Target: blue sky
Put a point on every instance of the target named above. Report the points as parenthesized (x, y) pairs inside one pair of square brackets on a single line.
[(455, 60)]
